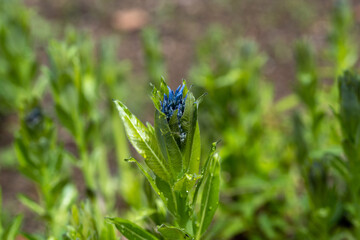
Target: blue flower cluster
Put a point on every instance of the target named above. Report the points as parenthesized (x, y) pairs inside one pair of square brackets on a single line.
[(173, 102)]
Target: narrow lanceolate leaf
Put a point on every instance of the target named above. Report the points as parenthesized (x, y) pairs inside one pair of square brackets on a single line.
[(14, 229), (32, 205), (131, 230), (149, 178), (143, 141), (189, 124), (194, 163), (170, 197), (210, 197), (204, 170), (168, 145), (170, 232)]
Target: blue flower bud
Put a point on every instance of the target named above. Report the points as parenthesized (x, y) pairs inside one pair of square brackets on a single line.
[(175, 101)]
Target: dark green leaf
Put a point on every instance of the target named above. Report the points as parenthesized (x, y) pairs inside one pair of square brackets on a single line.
[(349, 88), (167, 144), (170, 198), (340, 166), (189, 124), (65, 119)]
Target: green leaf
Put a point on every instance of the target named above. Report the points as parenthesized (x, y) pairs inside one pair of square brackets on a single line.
[(131, 230), (340, 166), (172, 233), (205, 170), (167, 144), (32, 205), (156, 97), (170, 198), (144, 142), (149, 178), (189, 124), (349, 87), (186, 182), (13, 230), (108, 232), (22, 153), (68, 196), (194, 164), (65, 119), (210, 196), (174, 127)]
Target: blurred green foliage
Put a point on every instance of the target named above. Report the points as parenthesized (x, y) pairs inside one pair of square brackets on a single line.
[(153, 55), (18, 63), (289, 166), (240, 109), (43, 161)]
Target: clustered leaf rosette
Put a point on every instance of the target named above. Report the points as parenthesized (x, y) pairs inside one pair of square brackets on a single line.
[(172, 153)]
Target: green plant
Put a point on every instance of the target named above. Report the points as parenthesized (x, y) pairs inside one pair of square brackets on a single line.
[(44, 162), (330, 168), (174, 168), (84, 224), (348, 164), (75, 89), (343, 49), (9, 231), (240, 108), (18, 63), (113, 74)]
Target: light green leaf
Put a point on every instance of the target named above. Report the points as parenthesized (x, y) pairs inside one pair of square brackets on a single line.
[(210, 196), (144, 142), (205, 170), (13, 230), (186, 182), (68, 196), (22, 153), (32, 205), (131, 230), (108, 232), (167, 144), (194, 164), (172, 233)]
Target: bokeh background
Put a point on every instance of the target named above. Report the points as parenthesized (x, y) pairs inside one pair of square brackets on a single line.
[(173, 33), (274, 25)]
